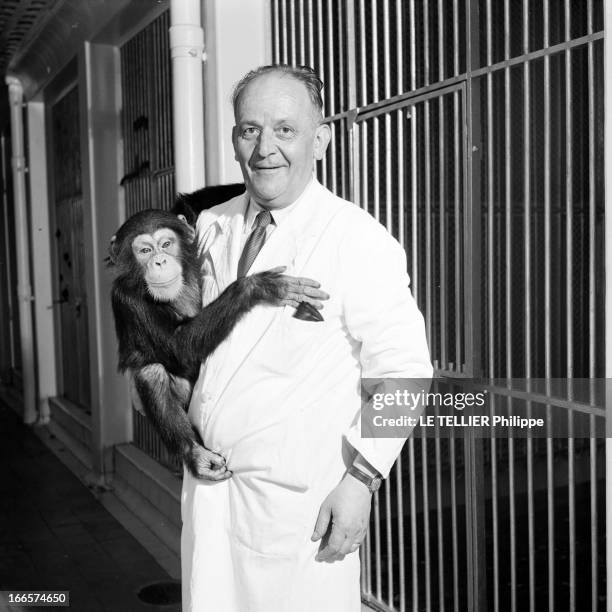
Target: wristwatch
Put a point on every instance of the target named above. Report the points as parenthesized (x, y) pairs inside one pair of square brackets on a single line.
[(372, 482)]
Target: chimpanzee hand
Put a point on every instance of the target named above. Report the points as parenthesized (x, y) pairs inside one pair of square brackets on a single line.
[(283, 290), (205, 464)]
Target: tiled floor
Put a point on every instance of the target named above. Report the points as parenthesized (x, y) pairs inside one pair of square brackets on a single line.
[(54, 534)]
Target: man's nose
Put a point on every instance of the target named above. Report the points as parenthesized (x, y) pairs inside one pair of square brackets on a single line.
[(266, 144)]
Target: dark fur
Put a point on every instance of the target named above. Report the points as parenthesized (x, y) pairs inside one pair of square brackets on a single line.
[(192, 204), (159, 343)]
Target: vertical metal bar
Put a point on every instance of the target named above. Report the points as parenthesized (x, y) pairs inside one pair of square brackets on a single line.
[(341, 171), (400, 534), (302, 33), (442, 194), (399, 77), (363, 47), (331, 58), (376, 165), (426, 532), (310, 18), (389, 538), (508, 296), (388, 187), (495, 515), (413, 155), (457, 193), (275, 33), (439, 510), (374, 66), (351, 57), (428, 233), (454, 523), (592, 299), (474, 482), (386, 50), (426, 41), (508, 189), (364, 174), (569, 306), (284, 29), (322, 73), (413, 526), (400, 177), (547, 321), (427, 158), (293, 32), (341, 59), (527, 293), (334, 147), (490, 204), (387, 128), (442, 254), (400, 48), (594, 519)]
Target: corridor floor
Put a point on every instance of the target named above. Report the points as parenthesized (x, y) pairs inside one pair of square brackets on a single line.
[(55, 535)]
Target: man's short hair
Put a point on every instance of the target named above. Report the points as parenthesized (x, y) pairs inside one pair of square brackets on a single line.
[(304, 74)]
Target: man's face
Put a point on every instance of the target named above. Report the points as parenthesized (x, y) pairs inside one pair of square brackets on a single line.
[(276, 139)]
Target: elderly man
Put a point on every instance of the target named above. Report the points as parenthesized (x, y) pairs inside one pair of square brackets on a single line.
[(275, 525)]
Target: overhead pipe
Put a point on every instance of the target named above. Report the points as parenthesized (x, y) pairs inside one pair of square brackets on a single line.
[(186, 51), (24, 287)]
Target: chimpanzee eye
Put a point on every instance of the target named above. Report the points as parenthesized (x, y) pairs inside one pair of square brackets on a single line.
[(145, 250), (166, 244)]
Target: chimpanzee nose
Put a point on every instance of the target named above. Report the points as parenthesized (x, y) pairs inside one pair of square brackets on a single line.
[(160, 261)]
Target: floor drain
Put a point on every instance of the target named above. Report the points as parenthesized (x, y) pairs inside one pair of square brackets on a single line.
[(161, 593)]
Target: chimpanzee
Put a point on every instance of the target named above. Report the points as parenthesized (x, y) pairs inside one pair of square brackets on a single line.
[(164, 333)]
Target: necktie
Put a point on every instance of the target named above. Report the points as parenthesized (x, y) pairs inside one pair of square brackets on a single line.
[(254, 242)]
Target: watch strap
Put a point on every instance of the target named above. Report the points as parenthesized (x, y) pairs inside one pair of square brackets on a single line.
[(372, 482)]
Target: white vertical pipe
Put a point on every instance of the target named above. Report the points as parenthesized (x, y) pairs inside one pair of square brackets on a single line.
[(186, 50), (608, 272), (24, 289), (41, 258)]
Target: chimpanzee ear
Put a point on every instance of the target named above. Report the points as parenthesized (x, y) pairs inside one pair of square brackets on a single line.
[(112, 252), (190, 230)]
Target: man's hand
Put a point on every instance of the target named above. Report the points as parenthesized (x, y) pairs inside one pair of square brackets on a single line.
[(343, 520), (206, 465)]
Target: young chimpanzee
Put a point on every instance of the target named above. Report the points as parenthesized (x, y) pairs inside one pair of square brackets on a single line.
[(164, 333)]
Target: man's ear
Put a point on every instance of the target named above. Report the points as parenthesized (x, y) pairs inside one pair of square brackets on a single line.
[(322, 138), (235, 141)]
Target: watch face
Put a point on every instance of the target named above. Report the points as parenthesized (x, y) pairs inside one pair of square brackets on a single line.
[(375, 484)]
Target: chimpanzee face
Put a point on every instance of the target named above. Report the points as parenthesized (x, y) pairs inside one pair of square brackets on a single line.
[(159, 257)]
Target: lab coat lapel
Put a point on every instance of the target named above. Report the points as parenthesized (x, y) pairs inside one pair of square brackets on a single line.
[(290, 245), (224, 251)]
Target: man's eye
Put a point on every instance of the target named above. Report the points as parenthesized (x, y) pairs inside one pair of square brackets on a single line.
[(285, 131), (249, 132)]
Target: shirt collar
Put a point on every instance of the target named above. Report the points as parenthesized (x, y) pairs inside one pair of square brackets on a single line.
[(278, 215)]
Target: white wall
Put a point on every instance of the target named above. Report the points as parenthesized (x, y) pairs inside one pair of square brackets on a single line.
[(236, 40)]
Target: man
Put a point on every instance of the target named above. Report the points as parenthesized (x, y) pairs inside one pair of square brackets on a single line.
[(275, 525)]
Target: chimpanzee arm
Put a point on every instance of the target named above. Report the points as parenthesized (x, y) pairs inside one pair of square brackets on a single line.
[(203, 334), (164, 398)]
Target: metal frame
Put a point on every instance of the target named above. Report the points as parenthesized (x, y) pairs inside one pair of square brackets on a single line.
[(488, 94)]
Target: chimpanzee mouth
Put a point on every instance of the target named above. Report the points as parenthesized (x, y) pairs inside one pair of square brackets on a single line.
[(164, 283)]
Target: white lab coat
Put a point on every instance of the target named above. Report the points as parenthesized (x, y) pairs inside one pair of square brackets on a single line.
[(280, 400)]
